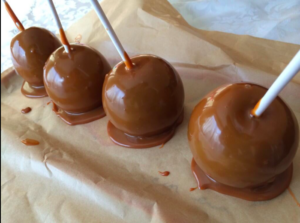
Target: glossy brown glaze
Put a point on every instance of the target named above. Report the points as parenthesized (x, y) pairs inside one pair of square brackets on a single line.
[(77, 119), (33, 92), (30, 50), (264, 192), (144, 104), (30, 142), (74, 83), (236, 149), (164, 173), (26, 110), (137, 142)]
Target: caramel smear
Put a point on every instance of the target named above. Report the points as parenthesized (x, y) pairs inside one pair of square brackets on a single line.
[(26, 110), (294, 197), (193, 188), (30, 142), (165, 173)]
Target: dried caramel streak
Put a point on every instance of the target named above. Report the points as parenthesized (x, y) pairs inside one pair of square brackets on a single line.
[(294, 197), (14, 17), (162, 145), (64, 39), (255, 108), (30, 142), (128, 61)]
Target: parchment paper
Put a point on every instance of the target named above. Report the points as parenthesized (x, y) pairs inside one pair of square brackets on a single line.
[(77, 174)]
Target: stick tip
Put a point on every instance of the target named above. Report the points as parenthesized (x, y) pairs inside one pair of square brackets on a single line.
[(253, 111), (128, 61)]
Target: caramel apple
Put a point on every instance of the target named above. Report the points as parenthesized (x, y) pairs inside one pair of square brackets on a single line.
[(74, 83), (144, 104), (30, 50), (238, 154)]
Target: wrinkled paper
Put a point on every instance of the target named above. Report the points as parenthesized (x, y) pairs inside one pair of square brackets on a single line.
[(77, 174)]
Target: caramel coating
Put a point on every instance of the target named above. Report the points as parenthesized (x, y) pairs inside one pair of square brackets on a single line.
[(74, 82), (146, 100), (236, 149), (30, 50)]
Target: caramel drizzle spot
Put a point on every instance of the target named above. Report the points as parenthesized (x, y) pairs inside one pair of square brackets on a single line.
[(26, 110), (30, 142), (165, 173), (193, 188)]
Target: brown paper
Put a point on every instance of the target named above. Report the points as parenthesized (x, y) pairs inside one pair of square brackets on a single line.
[(77, 174)]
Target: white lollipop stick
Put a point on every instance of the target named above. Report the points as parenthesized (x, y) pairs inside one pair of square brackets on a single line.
[(111, 33), (60, 28), (287, 74)]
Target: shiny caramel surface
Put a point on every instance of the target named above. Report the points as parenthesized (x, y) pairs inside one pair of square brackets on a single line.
[(263, 192), (74, 82), (30, 50), (145, 100), (236, 149)]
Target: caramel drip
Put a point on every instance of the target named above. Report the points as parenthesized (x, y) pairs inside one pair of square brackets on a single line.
[(165, 173), (255, 108), (122, 139), (55, 108), (14, 17), (263, 192), (128, 61), (162, 146), (64, 39), (26, 110), (294, 197), (30, 142)]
